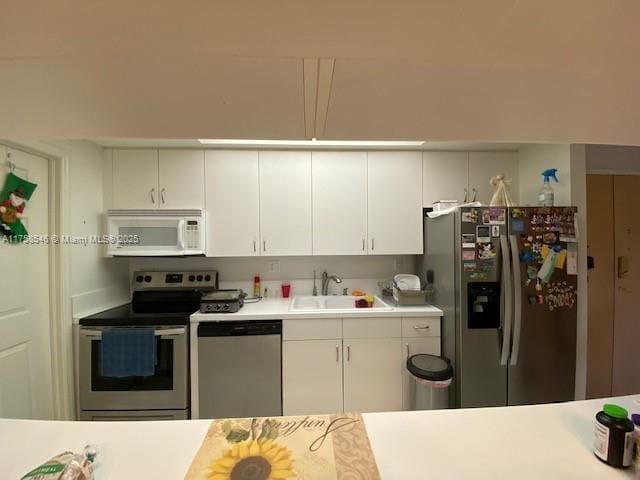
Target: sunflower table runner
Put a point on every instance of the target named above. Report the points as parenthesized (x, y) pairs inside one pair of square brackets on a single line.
[(319, 447)]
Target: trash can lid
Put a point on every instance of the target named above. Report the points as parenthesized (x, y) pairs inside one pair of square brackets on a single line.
[(430, 367)]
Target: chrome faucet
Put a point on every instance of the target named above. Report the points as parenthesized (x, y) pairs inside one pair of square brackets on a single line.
[(325, 282)]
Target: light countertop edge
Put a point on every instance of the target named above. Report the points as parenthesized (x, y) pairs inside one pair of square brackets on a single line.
[(278, 309), (545, 442)]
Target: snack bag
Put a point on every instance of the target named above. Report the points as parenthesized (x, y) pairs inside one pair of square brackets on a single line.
[(66, 466)]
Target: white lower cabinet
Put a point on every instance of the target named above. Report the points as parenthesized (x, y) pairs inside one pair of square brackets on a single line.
[(372, 377), (352, 364), (312, 377)]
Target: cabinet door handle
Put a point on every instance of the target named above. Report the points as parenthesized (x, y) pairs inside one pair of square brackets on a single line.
[(466, 196), (337, 353), (162, 195), (153, 195), (254, 245), (475, 194), (406, 345), (264, 245), (373, 245), (348, 353), (364, 244), (423, 327)]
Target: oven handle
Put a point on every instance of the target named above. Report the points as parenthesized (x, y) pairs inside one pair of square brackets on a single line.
[(162, 333)]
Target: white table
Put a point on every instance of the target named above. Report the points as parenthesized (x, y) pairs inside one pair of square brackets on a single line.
[(530, 442)]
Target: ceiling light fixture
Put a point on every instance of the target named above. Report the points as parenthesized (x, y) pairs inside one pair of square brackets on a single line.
[(310, 143)]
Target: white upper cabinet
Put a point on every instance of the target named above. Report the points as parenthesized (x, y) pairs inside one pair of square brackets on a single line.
[(232, 203), (285, 203), (181, 179), (484, 165), (339, 203), (395, 203), (445, 176), (135, 179), (148, 179)]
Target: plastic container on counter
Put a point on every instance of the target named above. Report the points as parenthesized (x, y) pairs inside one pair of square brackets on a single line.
[(614, 432)]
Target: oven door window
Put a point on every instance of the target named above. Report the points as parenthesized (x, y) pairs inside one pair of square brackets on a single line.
[(162, 379)]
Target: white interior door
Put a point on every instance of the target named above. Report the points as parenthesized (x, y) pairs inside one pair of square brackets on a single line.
[(25, 350), (312, 377), (395, 203), (181, 179), (232, 203), (484, 165), (135, 179), (285, 203), (372, 375), (339, 203)]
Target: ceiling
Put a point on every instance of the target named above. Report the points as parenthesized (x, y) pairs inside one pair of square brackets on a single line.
[(457, 70)]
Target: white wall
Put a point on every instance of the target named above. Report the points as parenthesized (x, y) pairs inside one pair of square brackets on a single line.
[(97, 283), (533, 160), (578, 186), (613, 159)]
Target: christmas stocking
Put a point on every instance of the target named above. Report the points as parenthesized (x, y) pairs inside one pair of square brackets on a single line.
[(13, 200)]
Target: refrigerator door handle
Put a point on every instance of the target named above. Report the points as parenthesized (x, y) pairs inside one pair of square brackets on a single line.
[(508, 304), (517, 290)]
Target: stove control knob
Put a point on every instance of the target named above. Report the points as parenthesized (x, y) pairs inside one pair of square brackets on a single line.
[(192, 278), (139, 278), (147, 278), (207, 278), (199, 277)]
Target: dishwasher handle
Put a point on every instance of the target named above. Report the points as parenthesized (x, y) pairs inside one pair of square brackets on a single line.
[(240, 328)]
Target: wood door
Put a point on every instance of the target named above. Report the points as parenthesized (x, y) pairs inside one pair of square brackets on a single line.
[(372, 375), (414, 346), (484, 165), (626, 333), (339, 203), (395, 203), (25, 351), (285, 203), (181, 179), (312, 377), (135, 179), (445, 176), (601, 279), (232, 203)]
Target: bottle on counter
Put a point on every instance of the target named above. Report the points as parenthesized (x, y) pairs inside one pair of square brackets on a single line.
[(613, 442), (256, 286)]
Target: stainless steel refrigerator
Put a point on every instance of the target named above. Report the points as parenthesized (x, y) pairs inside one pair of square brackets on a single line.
[(506, 279)]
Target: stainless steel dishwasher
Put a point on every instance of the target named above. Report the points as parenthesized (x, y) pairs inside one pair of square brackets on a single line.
[(240, 369)]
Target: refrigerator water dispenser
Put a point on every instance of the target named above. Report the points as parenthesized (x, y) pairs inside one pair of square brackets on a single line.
[(484, 304)]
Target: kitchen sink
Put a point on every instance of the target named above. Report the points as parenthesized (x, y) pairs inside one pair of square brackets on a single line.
[(334, 303)]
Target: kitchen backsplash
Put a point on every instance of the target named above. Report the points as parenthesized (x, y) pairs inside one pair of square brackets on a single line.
[(361, 272)]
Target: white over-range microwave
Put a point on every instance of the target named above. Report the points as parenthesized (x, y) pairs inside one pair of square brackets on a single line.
[(155, 233)]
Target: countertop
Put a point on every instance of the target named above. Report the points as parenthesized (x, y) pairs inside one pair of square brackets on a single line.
[(278, 309), (533, 442)]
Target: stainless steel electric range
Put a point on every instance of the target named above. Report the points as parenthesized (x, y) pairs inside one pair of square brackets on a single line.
[(163, 302)]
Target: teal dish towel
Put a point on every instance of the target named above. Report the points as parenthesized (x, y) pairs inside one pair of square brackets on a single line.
[(128, 352)]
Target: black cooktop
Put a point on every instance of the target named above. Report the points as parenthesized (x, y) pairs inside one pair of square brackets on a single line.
[(125, 316)]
